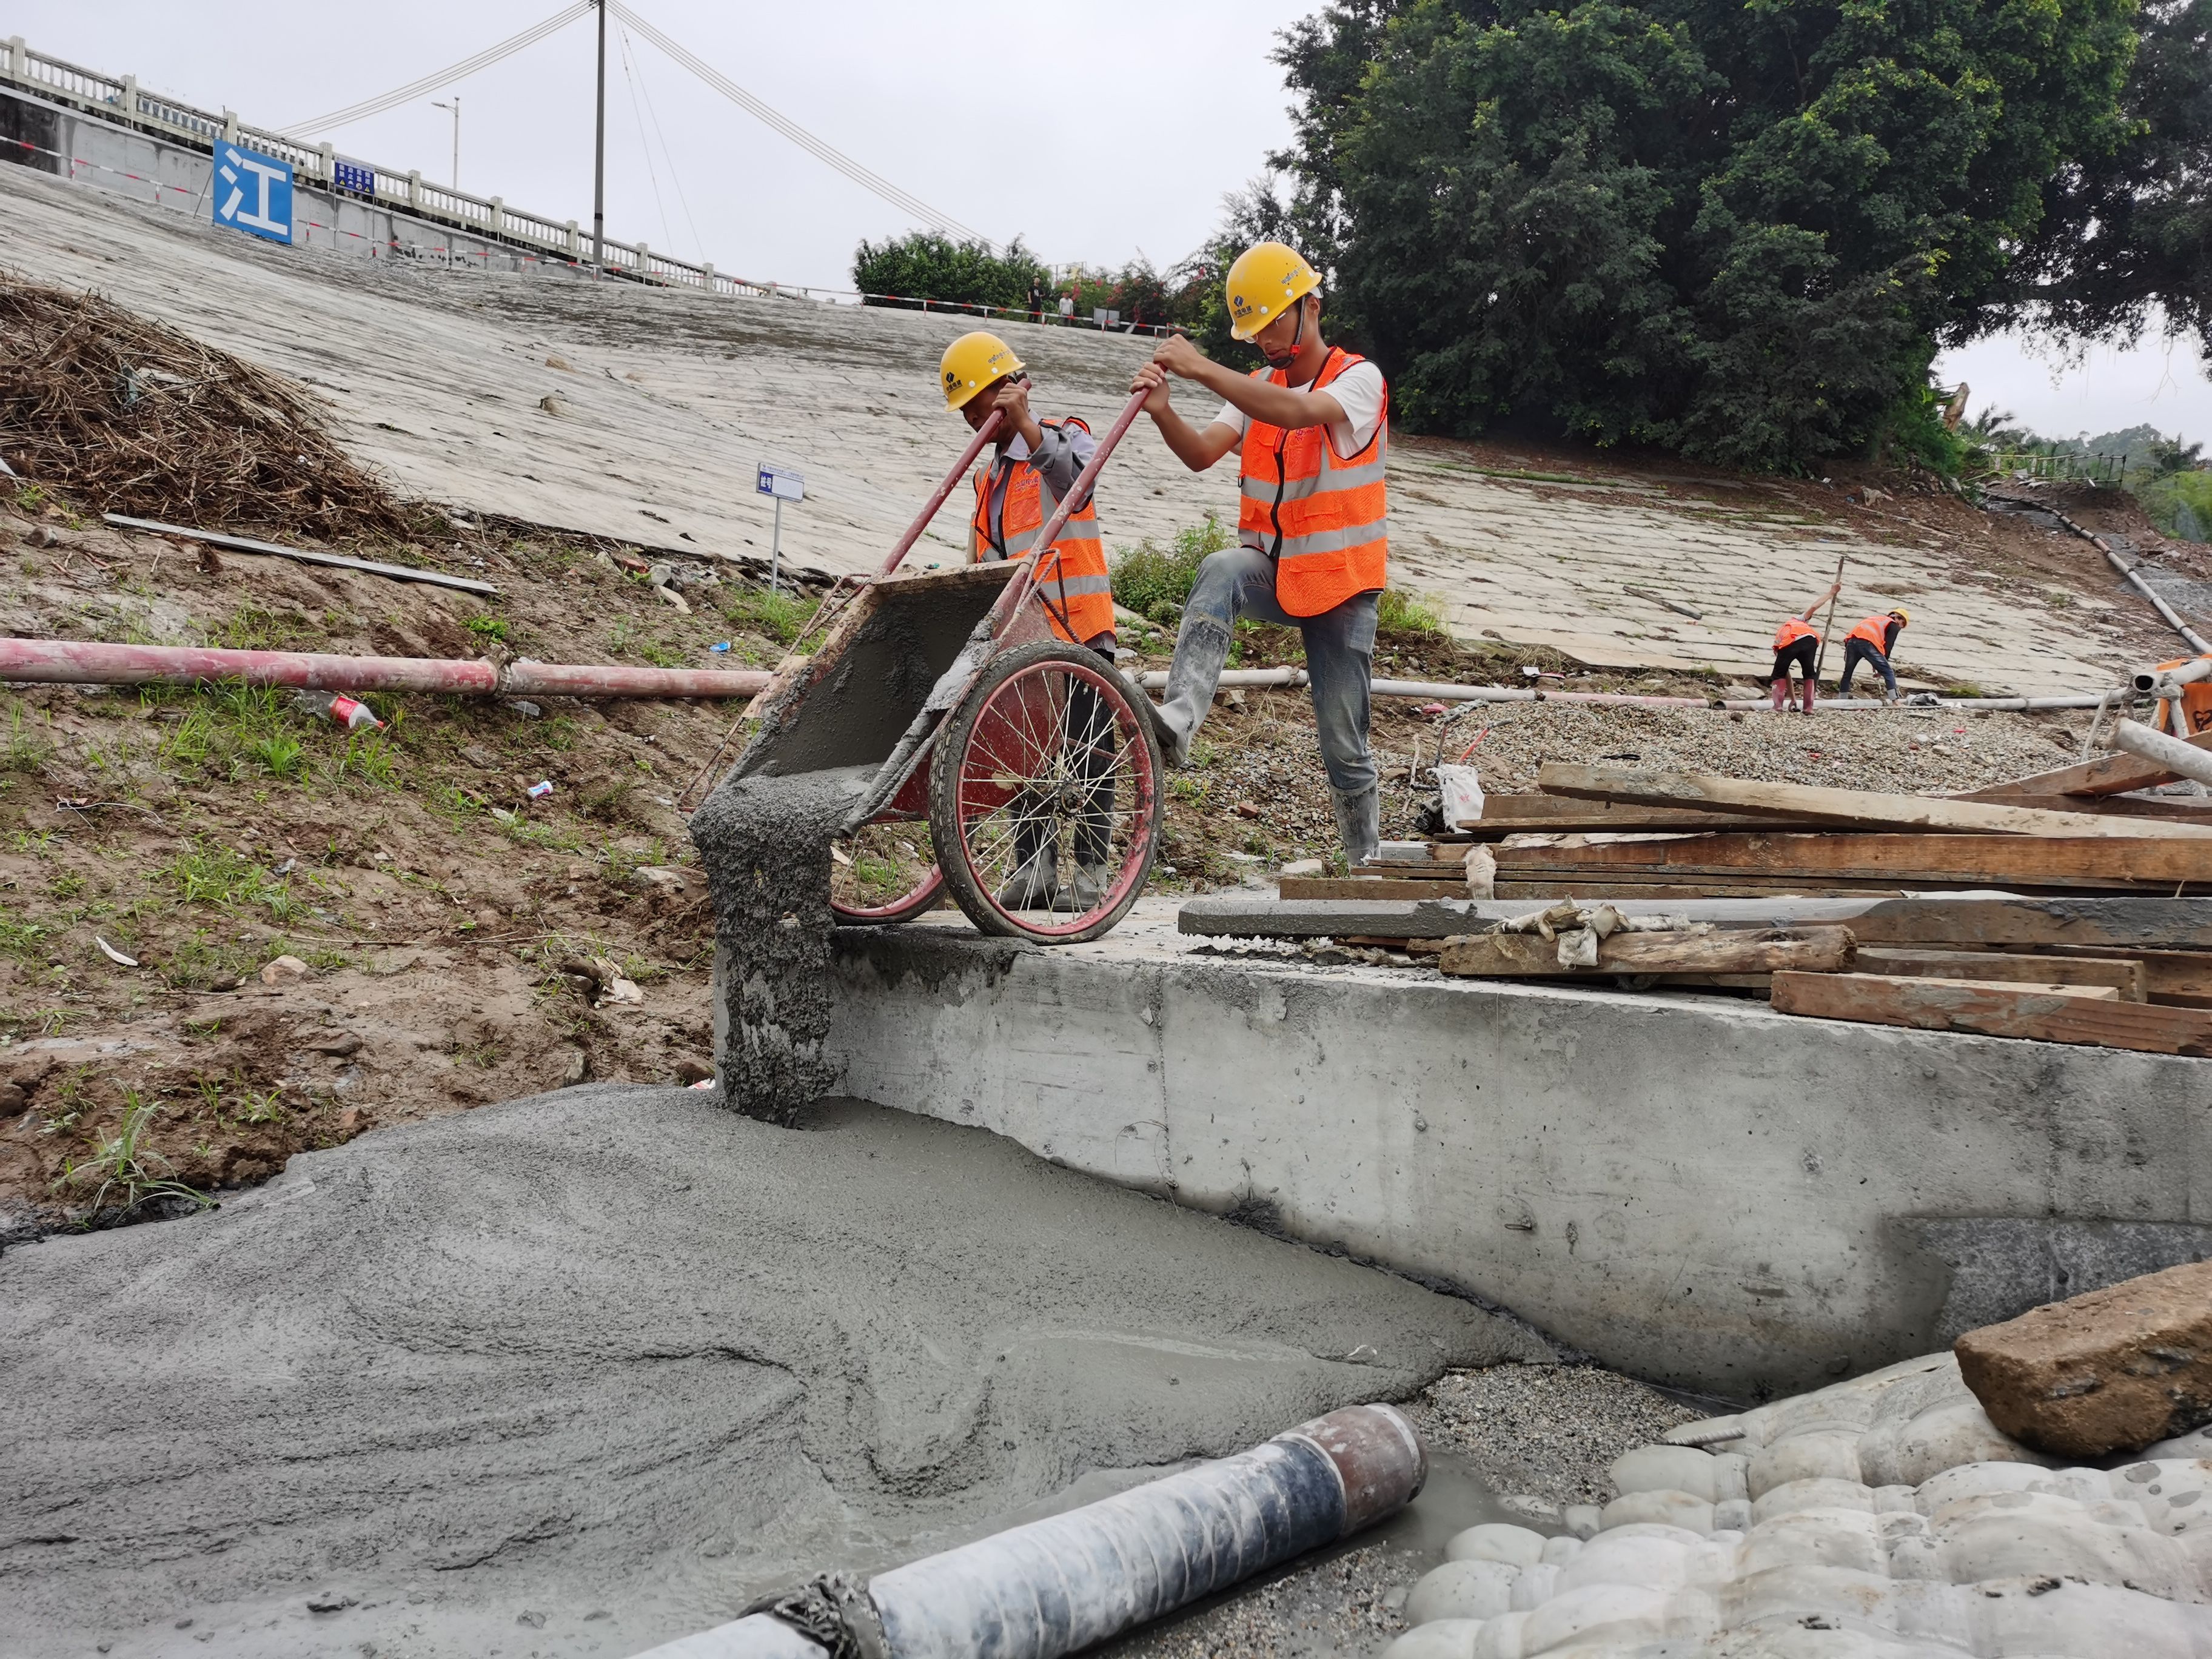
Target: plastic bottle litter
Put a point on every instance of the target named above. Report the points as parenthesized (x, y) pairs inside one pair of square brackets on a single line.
[(340, 709), (540, 790)]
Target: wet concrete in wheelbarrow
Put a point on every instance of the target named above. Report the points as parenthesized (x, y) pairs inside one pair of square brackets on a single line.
[(585, 1371)]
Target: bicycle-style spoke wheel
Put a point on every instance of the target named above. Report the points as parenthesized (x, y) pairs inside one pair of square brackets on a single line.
[(1044, 796), (884, 872)]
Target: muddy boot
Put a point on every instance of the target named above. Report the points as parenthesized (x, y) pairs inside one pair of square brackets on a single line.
[(1805, 698), (1087, 891), (1781, 690), (1200, 650), (1359, 824), (1036, 880)]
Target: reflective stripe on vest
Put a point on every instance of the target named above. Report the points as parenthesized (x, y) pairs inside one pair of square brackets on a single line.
[(1323, 517), (1793, 630), (1074, 585), (1875, 630)]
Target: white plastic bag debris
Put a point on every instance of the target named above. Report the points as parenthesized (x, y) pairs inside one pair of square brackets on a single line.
[(1462, 795)]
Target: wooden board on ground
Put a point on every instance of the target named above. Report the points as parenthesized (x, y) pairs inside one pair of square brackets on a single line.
[(2181, 977), (2171, 809), (2056, 1014), (1889, 860), (1601, 886), (1366, 887), (1723, 951), (2108, 775), (1854, 807), (1513, 815), (2124, 976)]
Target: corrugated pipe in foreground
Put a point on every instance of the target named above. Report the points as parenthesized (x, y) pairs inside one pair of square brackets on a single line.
[(1280, 678), (85, 662), (1060, 1584)]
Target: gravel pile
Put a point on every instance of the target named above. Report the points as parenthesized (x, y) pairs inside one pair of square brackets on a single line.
[(1345, 1606), (1549, 1430)]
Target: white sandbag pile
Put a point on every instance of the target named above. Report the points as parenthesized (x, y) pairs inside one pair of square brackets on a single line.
[(1883, 1518)]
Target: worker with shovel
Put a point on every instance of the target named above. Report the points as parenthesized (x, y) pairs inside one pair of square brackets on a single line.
[(1798, 642), (1312, 526), (1036, 463), (1871, 642)]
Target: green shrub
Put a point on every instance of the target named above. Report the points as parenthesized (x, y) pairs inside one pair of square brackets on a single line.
[(1404, 612), (927, 264), (1155, 581)]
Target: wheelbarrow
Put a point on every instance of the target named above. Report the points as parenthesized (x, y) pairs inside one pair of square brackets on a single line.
[(988, 759)]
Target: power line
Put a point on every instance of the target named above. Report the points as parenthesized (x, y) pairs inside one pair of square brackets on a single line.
[(442, 78), (650, 172), (905, 201), (675, 177)]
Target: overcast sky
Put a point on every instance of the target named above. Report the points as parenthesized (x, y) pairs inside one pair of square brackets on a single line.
[(1092, 135)]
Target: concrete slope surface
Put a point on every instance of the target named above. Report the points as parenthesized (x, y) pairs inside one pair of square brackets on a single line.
[(641, 414), (605, 1363)]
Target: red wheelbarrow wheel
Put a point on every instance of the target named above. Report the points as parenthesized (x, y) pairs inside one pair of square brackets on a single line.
[(884, 872), (1044, 796)]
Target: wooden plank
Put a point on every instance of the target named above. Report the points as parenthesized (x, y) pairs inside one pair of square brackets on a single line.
[(1964, 859), (2124, 976), (2108, 775), (2179, 809), (1850, 806), (2054, 1015), (1363, 887), (1723, 951), (1513, 815), (398, 573), (2104, 927), (1601, 886)]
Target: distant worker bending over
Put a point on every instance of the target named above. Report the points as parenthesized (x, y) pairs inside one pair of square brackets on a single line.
[(1872, 641), (1798, 642), (1035, 464), (1312, 526)]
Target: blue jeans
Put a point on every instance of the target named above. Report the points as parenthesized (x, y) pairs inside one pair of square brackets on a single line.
[(1240, 581), (1857, 652)]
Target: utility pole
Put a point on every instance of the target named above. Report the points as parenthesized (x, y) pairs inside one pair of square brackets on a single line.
[(455, 107), (599, 153)]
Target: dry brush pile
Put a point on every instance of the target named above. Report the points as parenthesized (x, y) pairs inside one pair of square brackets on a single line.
[(129, 416)]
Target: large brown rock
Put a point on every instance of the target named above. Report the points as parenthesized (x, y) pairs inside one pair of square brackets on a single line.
[(2110, 1371)]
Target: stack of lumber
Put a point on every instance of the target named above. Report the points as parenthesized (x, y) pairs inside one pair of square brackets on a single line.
[(1599, 837)]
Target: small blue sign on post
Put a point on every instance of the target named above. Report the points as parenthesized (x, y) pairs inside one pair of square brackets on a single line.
[(356, 176), (784, 485), (253, 192)]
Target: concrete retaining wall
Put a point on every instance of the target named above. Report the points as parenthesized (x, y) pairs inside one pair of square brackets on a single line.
[(1691, 1188), (55, 139)]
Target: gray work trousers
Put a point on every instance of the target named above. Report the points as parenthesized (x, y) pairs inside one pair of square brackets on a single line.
[(1240, 581)]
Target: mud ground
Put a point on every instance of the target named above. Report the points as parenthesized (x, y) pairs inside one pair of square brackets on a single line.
[(597, 1366)]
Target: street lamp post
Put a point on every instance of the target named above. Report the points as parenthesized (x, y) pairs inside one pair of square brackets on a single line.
[(455, 107)]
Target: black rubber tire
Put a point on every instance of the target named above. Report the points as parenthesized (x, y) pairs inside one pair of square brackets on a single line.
[(980, 906)]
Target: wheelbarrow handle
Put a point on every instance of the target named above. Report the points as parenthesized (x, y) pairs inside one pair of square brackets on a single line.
[(984, 433), (1017, 591)]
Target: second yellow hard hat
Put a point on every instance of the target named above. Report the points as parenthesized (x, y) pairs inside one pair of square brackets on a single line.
[(1266, 280), (972, 362)]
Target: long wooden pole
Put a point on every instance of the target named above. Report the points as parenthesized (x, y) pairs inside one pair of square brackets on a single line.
[(1821, 656)]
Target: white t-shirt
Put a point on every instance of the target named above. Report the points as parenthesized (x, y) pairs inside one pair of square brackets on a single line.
[(1358, 390)]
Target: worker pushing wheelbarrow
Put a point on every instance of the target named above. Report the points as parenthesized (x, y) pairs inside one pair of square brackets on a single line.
[(991, 752)]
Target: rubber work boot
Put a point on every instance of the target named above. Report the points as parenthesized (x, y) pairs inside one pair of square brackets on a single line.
[(1781, 690), (1087, 891), (1805, 698), (1201, 651), (1358, 823), (1036, 881)]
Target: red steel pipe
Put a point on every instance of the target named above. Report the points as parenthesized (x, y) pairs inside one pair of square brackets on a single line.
[(84, 662)]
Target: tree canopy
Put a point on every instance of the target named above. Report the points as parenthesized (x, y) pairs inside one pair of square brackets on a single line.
[(1738, 230)]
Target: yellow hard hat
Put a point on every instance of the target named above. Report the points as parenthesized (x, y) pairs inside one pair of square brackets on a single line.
[(1265, 280), (972, 362), (1902, 614)]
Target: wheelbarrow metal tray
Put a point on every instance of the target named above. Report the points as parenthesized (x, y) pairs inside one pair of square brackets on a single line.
[(849, 702)]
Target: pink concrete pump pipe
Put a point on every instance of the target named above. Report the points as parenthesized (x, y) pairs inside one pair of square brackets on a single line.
[(82, 662)]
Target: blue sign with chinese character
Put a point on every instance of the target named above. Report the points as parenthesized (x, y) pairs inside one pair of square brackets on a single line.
[(253, 192), (781, 483), (356, 176)]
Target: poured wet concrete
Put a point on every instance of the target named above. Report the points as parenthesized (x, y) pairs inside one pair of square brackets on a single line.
[(587, 1371)]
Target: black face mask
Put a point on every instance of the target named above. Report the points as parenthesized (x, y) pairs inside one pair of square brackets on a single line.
[(1297, 335)]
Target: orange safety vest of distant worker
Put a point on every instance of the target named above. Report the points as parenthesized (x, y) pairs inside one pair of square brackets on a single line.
[(1321, 516), (1875, 630), (1795, 629), (2195, 715), (1073, 583)]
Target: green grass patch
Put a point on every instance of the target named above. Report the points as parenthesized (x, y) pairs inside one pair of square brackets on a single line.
[(1155, 581), (767, 610), (121, 1166), (1397, 610), (493, 630)]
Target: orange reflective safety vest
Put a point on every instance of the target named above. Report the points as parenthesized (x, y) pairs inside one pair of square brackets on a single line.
[(2194, 717), (1072, 584), (1875, 630), (1795, 629), (1321, 516)]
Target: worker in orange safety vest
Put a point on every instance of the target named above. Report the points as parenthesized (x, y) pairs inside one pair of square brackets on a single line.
[(1034, 465), (1798, 642), (1312, 522), (1871, 642)]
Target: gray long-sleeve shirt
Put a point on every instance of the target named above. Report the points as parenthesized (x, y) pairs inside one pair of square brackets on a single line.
[(1066, 450)]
